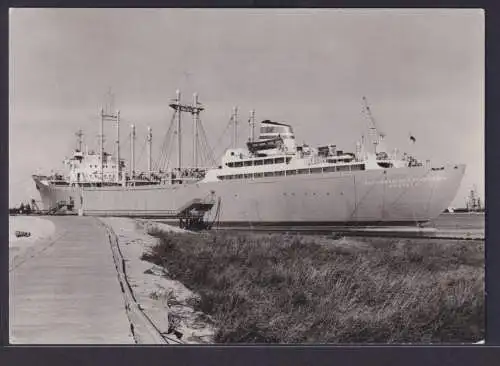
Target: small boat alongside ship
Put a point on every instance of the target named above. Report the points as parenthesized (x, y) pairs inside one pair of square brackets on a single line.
[(272, 180)]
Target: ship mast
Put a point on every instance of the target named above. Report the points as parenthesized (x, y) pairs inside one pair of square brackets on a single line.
[(235, 127), (195, 130), (101, 146), (179, 133), (195, 111), (132, 152), (150, 143), (79, 134), (251, 121), (110, 117), (117, 146)]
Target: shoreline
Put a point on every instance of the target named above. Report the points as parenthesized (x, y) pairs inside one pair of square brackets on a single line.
[(166, 302)]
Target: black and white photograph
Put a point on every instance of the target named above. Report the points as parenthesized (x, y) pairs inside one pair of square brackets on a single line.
[(246, 176)]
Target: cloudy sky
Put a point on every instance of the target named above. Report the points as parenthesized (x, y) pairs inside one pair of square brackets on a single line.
[(421, 70)]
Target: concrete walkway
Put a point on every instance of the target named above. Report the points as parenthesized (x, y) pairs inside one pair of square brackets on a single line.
[(68, 292)]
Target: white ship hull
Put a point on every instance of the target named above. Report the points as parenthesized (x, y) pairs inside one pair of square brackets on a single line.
[(390, 196)]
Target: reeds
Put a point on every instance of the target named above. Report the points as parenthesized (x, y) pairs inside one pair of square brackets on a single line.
[(298, 289)]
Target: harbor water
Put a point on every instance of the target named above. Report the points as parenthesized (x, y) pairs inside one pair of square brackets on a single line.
[(467, 224)]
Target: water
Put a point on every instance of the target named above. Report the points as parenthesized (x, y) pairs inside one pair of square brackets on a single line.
[(467, 224), (447, 225)]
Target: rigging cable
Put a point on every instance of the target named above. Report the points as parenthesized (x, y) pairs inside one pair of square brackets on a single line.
[(166, 142), (223, 133), (209, 154), (141, 152)]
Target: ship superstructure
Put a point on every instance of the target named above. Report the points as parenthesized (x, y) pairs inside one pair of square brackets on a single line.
[(271, 180)]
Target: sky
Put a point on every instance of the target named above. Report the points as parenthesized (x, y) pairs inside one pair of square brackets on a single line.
[(422, 72)]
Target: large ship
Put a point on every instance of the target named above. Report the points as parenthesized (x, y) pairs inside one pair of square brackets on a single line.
[(273, 180)]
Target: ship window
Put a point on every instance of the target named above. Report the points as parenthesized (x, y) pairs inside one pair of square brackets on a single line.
[(316, 170), (281, 172), (268, 161), (342, 168), (291, 172), (303, 171), (288, 160), (230, 165), (257, 175), (238, 164), (248, 175), (239, 176), (248, 163), (258, 162), (268, 129), (357, 167), (329, 169), (279, 160), (268, 174)]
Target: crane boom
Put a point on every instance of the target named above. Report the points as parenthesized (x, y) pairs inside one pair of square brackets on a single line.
[(371, 118)]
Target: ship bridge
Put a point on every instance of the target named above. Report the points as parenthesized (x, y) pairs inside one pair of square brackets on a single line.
[(274, 136)]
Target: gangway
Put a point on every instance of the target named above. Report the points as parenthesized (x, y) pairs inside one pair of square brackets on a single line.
[(192, 213)]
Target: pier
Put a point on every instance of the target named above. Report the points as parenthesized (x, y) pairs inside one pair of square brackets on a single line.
[(66, 290)]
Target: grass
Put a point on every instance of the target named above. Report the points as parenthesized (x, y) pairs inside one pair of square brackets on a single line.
[(297, 289)]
